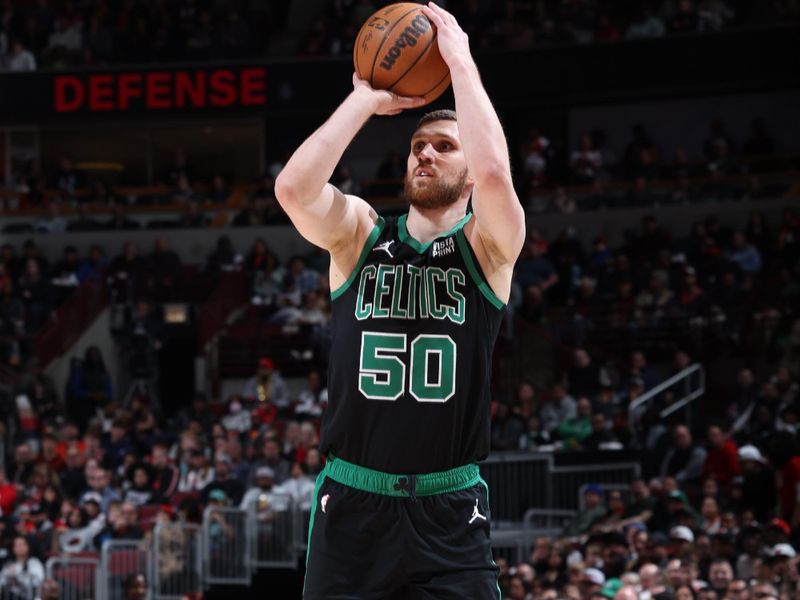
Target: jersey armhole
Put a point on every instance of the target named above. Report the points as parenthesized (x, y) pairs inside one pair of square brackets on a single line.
[(373, 237), (475, 271)]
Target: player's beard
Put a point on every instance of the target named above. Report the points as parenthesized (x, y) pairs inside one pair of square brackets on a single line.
[(437, 193)]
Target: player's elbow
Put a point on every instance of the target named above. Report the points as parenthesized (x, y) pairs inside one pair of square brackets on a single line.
[(286, 189)]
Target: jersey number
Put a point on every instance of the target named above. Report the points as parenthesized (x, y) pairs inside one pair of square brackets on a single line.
[(382, 369)]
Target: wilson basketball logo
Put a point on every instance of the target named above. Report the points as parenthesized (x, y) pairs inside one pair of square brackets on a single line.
[(408, 38)]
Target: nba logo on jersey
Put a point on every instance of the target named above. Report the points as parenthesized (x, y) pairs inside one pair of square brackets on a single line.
[(324, 502), (445, 247)]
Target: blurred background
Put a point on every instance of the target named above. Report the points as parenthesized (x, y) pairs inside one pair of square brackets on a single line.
[(164, 330)]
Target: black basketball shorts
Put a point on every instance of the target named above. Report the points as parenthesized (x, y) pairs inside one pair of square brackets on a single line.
[(378, 536)]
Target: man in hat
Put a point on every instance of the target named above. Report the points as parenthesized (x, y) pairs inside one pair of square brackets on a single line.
[(759, 493), (224, 480), (592, 581), (594, 510), (267, 386)]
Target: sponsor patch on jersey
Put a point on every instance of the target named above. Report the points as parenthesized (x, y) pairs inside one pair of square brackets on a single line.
[(444, 247)]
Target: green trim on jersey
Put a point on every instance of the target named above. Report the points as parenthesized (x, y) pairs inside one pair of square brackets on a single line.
[(314, 500), (487, 291), (405, 237), (389, 484), (373, 236), (486, 485)]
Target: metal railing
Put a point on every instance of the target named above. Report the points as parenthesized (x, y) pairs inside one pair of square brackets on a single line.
[(519, 482), (689, 393), (119, 559), (530, 497), (275, 539), (226, 546), (78, 578)]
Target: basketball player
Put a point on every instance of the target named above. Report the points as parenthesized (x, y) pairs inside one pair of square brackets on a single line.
[(400, 509)]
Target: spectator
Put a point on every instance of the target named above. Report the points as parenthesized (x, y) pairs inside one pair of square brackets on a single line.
[(271, 457), (720, 576), (684, 460), (601, 437), (586, 162), (557, 408), (23, 573), (573, 431), (758, 485), (219, 192), (314, 398), (722, 462), (507, 428), (223, 480), (135, 587), (745, 254), (583, 375), (21, 59), (267, 386), (73, 477), (224, 257), (141, 489), (198, 475), (592, 513), (647, 25), (53, 222), (99, 480), (116, 444), (265, 495)]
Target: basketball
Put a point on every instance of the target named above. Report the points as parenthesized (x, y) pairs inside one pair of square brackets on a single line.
[(396, 50)]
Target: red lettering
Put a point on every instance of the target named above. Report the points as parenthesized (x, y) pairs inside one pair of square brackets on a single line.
[(129, 85), (101, 92), (223, 90), (69, 93), (157, 90), (253, 86), (193, 90)]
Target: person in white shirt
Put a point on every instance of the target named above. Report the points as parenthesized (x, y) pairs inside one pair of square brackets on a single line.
[(199, 474), (266, 498), (20, 58), (24, 574), (299, 487)]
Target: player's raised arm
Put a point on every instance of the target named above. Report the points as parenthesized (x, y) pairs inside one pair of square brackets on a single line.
[(322, 214), (500, 218)]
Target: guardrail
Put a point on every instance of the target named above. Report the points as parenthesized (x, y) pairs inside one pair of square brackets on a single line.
[(531, 497), (519, 482), (685, 378)]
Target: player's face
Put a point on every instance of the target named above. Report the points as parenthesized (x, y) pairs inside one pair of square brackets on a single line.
[(436, 175)]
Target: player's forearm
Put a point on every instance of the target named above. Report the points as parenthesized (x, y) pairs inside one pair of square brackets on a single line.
[(479, 127), (313, 163)]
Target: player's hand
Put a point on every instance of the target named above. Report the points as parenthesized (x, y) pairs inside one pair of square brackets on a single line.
[(452, 40), (385, 103)]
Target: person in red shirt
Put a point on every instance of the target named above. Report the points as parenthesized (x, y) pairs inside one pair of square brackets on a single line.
[(8, 495), (722, 460), (789, 491)]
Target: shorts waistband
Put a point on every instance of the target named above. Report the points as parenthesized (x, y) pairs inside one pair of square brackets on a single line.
[(405, 486)]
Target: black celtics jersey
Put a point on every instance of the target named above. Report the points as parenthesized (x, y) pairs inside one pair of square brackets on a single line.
[(413, 332)]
